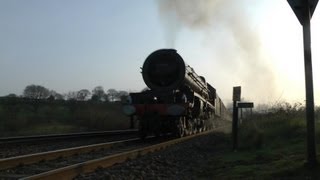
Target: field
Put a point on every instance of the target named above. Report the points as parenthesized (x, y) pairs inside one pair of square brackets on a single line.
[(28, 117)]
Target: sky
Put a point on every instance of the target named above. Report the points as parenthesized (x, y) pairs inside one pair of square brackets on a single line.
[(69, 45)]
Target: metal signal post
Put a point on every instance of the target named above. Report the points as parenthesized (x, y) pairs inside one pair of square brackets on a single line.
[(304, 10), (311, 148)]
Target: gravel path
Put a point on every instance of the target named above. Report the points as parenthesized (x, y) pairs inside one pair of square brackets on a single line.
[(183, 161)]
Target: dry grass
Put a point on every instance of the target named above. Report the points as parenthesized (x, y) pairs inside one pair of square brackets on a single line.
[(271, 146)]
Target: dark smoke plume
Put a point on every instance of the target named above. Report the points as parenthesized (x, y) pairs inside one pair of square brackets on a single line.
[(239, 55)]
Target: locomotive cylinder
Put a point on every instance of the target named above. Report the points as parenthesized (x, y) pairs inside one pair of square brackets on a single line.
[(165, 70)]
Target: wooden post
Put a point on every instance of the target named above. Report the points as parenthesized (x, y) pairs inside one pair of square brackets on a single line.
[(236, 97), (235, 126)]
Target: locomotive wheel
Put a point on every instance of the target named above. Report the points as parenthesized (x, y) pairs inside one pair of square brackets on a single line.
[(201, 127), (193, 127), (196, 127), (157, 133), (142, 133), (189, 128), (143, 128), (195, 130), (180, 127), (156, 126)]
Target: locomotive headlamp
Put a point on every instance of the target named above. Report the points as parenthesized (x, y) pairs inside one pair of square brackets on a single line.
[(128, 110), (175, 110)]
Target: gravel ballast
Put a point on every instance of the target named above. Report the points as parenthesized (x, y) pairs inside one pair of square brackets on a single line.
[(11, 150), (185, 160)]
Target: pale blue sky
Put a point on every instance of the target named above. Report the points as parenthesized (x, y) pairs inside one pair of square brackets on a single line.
[(68, 45)]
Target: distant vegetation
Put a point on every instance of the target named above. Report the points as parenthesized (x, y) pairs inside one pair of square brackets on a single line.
[(97, 94), (43, 111)]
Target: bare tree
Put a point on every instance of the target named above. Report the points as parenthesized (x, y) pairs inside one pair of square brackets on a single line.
[(59, 96), (12, 95), (83, 94), (113, 94), (56, 96), (98, 93), (106, 98), (72, 95), (123, 95), (36, 92)]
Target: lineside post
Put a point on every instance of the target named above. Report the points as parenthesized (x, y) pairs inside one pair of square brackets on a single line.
[(236, 97), (235, 126)]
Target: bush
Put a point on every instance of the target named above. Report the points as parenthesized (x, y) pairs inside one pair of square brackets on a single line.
[(62, 114), (281, 125)]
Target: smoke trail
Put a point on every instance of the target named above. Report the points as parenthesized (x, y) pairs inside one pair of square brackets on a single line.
[(234, 18), (171, 23), (178, 13)]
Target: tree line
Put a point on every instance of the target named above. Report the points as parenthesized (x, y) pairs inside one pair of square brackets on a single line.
[(98, 94)]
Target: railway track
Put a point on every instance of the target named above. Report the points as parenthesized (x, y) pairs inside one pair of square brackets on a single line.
[(26, 165), (68, 163), (34, 139)]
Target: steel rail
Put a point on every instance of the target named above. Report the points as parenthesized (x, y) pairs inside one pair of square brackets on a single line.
[(72, 171), (11, 162), (63, 136)]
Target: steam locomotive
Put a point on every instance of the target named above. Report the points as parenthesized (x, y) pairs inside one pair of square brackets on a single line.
[(177, 100)]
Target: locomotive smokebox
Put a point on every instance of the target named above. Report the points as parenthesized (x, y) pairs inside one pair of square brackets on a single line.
[(164, 70)]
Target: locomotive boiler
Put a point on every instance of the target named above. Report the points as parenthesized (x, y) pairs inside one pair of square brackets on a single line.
[(177, 100)]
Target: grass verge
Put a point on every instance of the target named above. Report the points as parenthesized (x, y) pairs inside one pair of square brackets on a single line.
[(271, 146)]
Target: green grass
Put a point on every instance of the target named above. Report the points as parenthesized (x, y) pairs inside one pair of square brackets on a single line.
[(271, 146), (266, 163)]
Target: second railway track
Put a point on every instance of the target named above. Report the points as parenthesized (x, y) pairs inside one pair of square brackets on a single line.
[(16, 146), (40, 138)]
